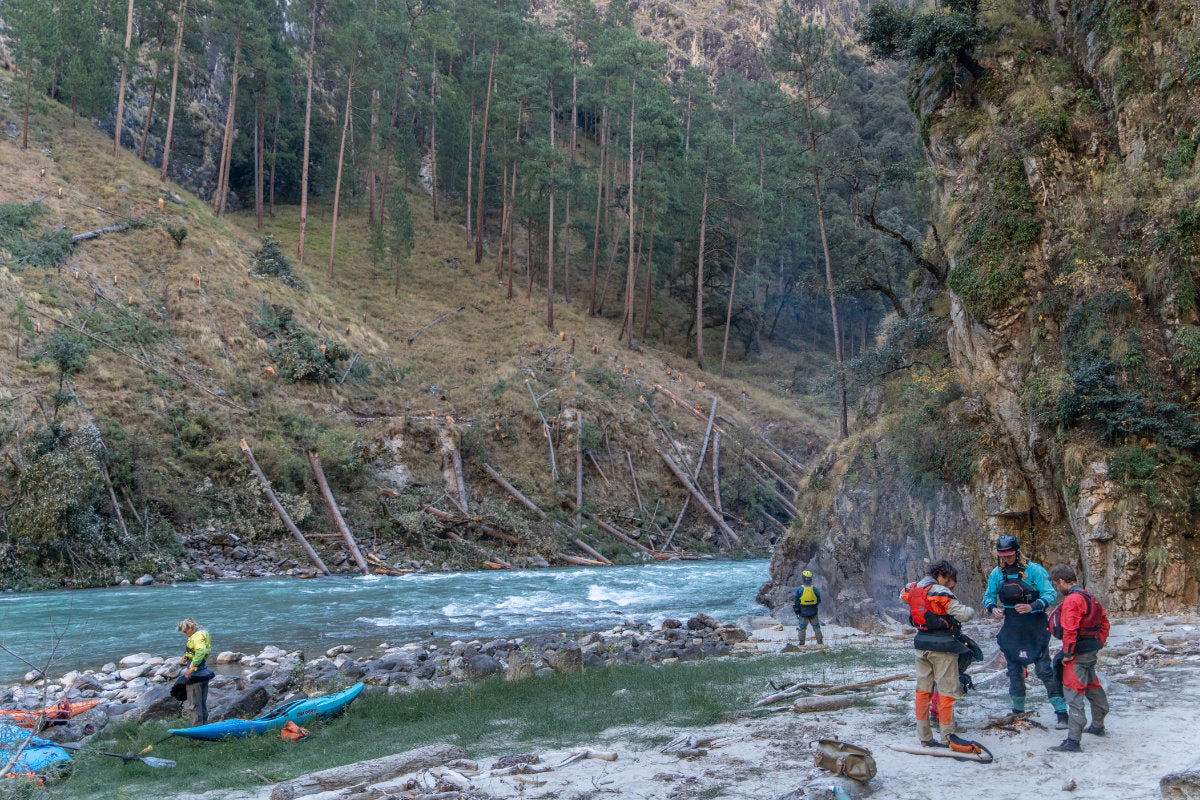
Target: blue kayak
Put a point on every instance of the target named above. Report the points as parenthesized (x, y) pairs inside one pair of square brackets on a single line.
[(42, 757), (297, 711)]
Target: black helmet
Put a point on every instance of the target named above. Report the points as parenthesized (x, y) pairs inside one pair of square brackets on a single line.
[(1007, 545)]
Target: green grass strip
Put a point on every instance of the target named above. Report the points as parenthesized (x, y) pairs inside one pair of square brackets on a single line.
[(487, 718)]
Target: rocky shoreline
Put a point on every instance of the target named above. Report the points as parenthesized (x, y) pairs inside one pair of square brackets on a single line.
[(137, 688)]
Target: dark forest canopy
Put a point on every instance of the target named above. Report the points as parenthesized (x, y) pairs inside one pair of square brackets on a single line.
[(678, 208)]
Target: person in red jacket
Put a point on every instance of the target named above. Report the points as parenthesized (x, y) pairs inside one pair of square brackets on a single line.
[(1079, 620)]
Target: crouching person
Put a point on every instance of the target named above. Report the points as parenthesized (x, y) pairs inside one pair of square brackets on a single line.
[(937, 615), (1082, 625)]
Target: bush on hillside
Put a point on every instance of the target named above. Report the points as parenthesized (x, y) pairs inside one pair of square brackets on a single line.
[(269, 261)]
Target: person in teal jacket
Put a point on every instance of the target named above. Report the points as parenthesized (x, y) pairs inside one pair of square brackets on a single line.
[(1020, 593), (805, 604)]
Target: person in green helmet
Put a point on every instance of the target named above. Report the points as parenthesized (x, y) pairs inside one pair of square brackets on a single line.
[(805, 604)]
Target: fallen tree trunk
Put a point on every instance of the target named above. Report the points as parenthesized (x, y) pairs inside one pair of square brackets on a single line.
[(613, 531), (512, 490), (337, 514), (374, 771), (808, 705), (582, 562), (279, 509), (585, 548), (80, 237), (435, 322), (701, 499), (852, 687)]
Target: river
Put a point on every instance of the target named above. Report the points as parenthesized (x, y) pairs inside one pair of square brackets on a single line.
[(101, 625)]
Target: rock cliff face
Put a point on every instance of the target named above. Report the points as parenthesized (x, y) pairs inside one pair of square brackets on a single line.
[(1066, 193)]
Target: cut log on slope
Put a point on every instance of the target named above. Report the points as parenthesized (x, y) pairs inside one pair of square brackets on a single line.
[(582, 562), (435, 322), (279, 509), (546, 430), (368, 772), (700, 415), (585, 548), (337, 513), (82, 237), (700, 498), (512, 490), (610, 529), (633, 477)]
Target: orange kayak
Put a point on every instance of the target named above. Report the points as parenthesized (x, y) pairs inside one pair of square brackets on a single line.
[(60, 712)]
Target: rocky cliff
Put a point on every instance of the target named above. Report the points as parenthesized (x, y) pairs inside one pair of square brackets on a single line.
[(1060, 406)]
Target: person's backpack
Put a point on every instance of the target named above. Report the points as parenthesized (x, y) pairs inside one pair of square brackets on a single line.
[(843, 758)]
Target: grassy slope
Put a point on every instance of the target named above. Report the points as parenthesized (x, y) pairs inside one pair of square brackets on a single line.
[(202, 356)]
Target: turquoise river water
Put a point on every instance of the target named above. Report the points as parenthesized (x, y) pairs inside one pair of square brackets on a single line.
[(95, 626)]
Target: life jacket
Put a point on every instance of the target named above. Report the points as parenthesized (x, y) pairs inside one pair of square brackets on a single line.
[(806, 595), (189, 651), (1090, 624), (927, 613), (1014, 589)]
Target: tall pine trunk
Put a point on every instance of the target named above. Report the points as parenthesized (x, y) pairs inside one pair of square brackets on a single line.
[(260, 140), (503, 217), (28, 89), (227, 149), (373, 160), (570, 172), (274, 154), (649, 273), (124, 74), (312, 52), (487, 110), (631, 271), (599, 207), (162, 176), (433, 135), (700, 277), (550, 229), (337, 186), (729, 308)]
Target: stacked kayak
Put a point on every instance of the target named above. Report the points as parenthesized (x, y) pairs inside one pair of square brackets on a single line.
[(297, 711), (41, 757), (57, 713)]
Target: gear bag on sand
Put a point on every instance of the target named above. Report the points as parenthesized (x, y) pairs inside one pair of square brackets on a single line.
[(843, 758)]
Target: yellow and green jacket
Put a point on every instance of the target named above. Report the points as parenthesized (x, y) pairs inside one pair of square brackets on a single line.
[(199, 645)]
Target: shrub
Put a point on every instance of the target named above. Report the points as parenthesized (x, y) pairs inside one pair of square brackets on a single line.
[(269, 260), (1187, 344)]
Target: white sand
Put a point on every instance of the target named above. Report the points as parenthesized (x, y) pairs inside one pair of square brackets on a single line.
[(1152, 731)]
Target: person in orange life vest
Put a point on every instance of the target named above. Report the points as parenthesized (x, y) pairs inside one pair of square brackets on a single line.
[(1081, 623), (1019, 592), (937, 615), (805, 604)]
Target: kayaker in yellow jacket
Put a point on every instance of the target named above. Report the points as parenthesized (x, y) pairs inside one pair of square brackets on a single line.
[(199, 645)]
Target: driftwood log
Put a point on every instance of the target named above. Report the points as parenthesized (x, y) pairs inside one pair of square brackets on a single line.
[(808, 705), (374, 771), (853, 687)]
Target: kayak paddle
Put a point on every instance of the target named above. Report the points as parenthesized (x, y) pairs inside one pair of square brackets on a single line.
[(149, 761)]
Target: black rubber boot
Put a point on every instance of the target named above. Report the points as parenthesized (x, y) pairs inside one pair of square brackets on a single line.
[(1061, 724), (1067, 746)]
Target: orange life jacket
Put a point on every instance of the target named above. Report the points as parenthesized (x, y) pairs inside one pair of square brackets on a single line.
[(1090, 624), (928, 613)]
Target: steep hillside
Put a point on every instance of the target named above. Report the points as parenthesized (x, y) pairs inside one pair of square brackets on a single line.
[(135, 363), (1062, 406)]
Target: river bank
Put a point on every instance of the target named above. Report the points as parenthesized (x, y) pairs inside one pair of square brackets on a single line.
[(1151, 671)]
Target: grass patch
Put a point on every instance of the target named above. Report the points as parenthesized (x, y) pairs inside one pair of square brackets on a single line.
[(555, 711)]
